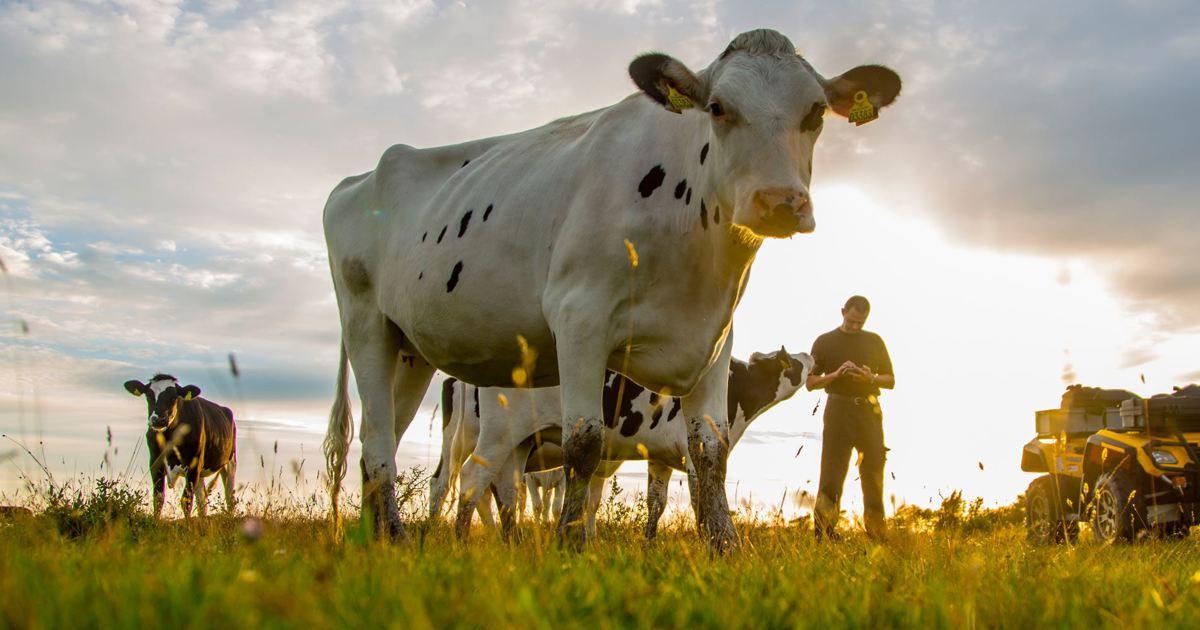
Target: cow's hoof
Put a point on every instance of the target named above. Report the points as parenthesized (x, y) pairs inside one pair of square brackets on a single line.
[(723, 538), (572, 537)]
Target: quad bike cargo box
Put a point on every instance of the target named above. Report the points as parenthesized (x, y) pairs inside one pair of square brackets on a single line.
[(1181, 412), (1094, 399), (1053, 422)]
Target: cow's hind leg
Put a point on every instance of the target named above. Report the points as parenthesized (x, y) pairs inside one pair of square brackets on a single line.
[(658, 480), (479, 474), (373, 346), (228, 479), (508, 487)]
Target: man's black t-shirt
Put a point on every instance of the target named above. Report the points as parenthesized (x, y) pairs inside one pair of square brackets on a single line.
[(835, 347)]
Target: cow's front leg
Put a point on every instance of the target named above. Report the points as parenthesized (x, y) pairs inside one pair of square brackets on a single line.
[(594, 499), (658, 480), (189, 495), (708, 447), (158, 487), (201, 495), (581, 376)]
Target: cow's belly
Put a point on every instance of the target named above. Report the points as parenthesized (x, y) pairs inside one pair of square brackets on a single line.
[(658, 445), (467, 324)]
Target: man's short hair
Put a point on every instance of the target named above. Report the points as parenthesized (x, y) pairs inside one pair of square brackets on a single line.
[(858, 303)]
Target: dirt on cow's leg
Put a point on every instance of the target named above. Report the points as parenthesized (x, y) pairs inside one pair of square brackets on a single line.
[(708, 453), (583, 440)]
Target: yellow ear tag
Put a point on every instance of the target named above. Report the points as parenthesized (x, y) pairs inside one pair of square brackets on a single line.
[(862, 112), (678, 100), (188, 396)]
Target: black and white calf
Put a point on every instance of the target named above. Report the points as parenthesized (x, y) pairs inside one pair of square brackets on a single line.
[(188, 437), (500, 426)]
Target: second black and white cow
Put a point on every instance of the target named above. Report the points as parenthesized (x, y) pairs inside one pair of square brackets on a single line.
[(188, 437), (499, 427)]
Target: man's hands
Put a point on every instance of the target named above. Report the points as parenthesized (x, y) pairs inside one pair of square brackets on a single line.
[(853, 371)]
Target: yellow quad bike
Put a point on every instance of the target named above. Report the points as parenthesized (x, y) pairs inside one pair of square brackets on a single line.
[(1129, 465)]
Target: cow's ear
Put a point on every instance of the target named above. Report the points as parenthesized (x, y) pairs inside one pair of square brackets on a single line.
[(880, 85), (669, 82), (189, 392), (135, 387)]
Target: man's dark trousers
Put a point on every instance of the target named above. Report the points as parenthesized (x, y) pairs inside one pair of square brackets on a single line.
[(851, 423)]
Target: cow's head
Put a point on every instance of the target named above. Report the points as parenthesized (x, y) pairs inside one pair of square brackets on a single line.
[(765, 105), (163, 397), (781, 372)]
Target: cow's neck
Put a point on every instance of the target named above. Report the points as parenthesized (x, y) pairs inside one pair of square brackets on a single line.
[(709, 229)]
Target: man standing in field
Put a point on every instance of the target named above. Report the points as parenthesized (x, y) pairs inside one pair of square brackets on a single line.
[(851, 365)]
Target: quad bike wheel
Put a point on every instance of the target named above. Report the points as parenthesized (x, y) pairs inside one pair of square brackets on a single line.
[(1045, 522), (1118, 514)]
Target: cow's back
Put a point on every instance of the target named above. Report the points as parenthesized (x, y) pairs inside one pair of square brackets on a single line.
[(464, 247)]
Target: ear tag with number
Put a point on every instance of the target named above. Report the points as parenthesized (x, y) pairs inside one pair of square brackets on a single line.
[(862, 112), (678, 100)]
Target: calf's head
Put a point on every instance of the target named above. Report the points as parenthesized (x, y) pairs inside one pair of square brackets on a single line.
[(764, 105), (163, 397), (764, 381)]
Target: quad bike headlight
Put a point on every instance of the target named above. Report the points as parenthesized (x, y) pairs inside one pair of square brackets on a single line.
[(1163, 458)]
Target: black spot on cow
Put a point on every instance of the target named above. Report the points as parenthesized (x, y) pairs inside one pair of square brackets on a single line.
[(463, 223), (814, 118), (476, 390), (442, 234), (652, 181), (675, 407), (617, 386), (355, 276), (453, 281), (810, 169), (424, 236), (687, 199), (703, 215), (421, 276), (703, 152), (408, 359), (465, 162), (717, 214), (680, 188), (487, 213)]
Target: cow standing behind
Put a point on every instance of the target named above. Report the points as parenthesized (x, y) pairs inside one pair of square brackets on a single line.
[(188, 437), (546, 489), (641, 425), (620, 238)]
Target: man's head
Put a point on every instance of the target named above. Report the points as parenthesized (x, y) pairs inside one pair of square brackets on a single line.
[(854, 313), (163, 396)]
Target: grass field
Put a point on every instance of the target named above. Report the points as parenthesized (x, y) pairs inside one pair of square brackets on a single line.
[(95, 559)]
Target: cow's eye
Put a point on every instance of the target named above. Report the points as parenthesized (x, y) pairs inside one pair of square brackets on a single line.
[(716, 109)]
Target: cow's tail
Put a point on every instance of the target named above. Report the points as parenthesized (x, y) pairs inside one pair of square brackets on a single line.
[(338, 436)]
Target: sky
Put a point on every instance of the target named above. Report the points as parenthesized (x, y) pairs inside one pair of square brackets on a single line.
[(1021, 218)]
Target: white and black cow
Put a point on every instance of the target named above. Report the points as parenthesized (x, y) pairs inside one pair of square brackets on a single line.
[(503, 425), (621, 238), (546, 487), (188, 437)]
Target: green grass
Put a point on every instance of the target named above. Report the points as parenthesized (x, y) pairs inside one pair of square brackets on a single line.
[(934, 572)]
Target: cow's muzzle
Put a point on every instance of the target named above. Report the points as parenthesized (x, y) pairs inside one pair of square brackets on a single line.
[(782, 212)]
